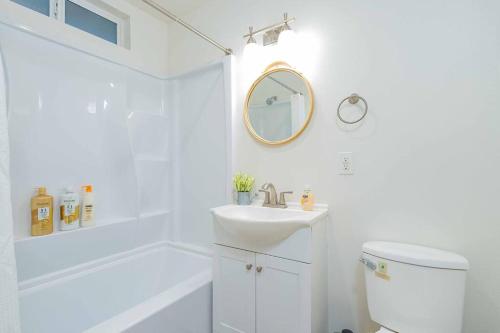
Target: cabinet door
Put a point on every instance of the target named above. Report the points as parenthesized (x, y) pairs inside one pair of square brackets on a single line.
[(234, 290), (283, 295)]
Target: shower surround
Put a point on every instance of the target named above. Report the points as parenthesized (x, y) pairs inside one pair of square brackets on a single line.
[(77, 119)]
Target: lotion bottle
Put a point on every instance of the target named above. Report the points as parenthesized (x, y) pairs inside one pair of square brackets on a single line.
[(307, 199), (42, 212), (87, 219), (69, 210)]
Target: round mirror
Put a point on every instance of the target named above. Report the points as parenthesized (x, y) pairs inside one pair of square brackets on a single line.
[(279, 105)]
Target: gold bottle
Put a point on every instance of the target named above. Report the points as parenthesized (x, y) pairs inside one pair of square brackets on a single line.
[(42, 212)]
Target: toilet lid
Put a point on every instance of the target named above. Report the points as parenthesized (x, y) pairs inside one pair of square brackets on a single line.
[(416, 255), (384, 330)]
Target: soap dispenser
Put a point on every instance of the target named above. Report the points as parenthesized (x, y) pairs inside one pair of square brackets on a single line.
[(307, 199)]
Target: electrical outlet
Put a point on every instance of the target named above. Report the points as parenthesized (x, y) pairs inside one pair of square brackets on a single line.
[(345, 164)]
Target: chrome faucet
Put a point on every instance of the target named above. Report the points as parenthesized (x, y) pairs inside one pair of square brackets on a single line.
[(271, 198)]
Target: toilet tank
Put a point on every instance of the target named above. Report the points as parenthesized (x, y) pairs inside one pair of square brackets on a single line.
[(414, 289)]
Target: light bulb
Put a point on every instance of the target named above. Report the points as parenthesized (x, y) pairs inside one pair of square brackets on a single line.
[(287, 41), (251, 51), (252, 55), (287, 47)]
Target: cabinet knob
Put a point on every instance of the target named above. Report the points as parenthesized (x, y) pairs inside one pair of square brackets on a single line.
[(259, 269), (249, 267)]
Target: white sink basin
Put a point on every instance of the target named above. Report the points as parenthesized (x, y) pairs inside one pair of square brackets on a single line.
[(262, 224)]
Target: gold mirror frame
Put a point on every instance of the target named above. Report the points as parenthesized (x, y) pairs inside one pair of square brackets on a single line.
[(279, 66)]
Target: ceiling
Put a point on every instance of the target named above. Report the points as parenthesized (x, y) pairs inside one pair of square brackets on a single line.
[(177, 7)]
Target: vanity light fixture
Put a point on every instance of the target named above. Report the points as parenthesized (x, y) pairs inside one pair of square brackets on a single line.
[(287, 35), (273, 32), (251, 39), (251, 49)]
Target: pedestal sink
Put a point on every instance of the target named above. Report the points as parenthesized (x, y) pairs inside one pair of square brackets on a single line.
[(264, 225)]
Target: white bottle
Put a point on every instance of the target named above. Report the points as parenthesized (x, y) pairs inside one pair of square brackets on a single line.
[(69, 210), (87, 219)]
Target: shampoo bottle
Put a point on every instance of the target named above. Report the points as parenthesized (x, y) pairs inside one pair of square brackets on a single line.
[(307, 199), (42, 212), (69, 210), (87, 219)]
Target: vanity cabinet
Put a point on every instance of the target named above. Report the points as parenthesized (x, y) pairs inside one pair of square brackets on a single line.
[(283, 295), (234, 292), (257, 291)]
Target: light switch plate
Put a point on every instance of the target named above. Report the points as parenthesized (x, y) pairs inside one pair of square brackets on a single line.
[(345, 163)]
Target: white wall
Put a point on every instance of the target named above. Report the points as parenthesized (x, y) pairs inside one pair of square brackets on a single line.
[(427, 156), (148, 35)]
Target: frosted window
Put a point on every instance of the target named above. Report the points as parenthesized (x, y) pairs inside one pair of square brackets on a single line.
[(86, 20), (41, 6)]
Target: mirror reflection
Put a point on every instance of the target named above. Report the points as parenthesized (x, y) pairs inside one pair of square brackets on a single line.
[(279, 106)]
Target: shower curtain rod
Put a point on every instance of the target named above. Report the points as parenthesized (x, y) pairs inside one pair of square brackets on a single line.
[(165, 12), (283, 85)]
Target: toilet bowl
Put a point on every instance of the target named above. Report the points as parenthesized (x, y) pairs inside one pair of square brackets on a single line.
[(405, 283)]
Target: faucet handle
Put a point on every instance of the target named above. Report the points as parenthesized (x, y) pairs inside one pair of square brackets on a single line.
[(282, 202), (267, 199)]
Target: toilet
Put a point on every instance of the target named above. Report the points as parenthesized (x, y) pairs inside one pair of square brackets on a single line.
[(414, 289)]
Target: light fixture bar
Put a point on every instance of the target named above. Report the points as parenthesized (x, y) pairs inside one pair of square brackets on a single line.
[(165, 12), (274, 26)]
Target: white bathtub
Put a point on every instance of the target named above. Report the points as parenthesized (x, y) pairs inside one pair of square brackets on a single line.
[(154, 289)]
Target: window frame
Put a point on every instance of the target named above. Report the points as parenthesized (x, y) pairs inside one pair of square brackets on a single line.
[(60, 14), (50, 3), (57, 12)]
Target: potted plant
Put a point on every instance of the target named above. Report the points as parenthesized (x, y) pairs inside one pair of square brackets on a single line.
[(243, 184)]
